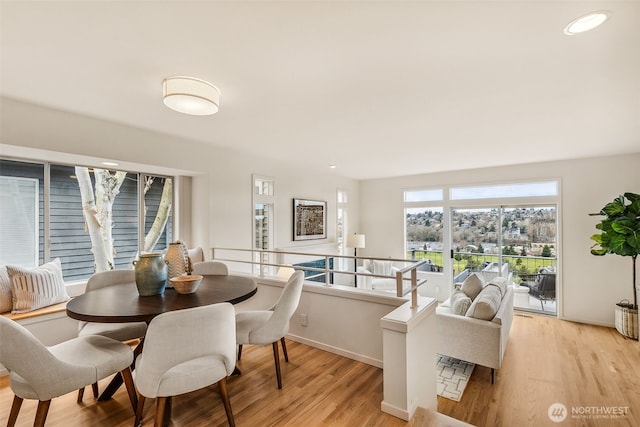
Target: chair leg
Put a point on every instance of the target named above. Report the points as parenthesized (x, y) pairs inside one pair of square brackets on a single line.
[(239, 351), (41, 413), (80, 395), (284, 350), (94, 386), (492, 374), (138, 420), (15, 409), (131, 388), (224, 395), (161, 403), (276, 359)]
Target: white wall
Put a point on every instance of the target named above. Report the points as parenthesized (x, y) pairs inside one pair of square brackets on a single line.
[(221, 211), (590, 285)]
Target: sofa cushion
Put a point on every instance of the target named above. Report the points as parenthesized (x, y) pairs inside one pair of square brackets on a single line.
[(486, 304), (34, 288), (472, 286), (500, 282), (5, 290), (459, 302)]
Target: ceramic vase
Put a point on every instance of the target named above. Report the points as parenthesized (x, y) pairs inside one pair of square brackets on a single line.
[(178, 258), (151, 274)]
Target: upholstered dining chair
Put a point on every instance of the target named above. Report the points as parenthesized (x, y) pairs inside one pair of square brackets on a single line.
[(269, 326), (117, 331), (41, 373), (186, 350), (211, 267)]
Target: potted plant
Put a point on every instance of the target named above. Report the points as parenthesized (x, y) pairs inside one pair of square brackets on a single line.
[(620, 235)]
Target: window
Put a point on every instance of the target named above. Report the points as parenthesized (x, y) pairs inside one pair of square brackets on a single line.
[(528, 189), (263, 212), (90, 217), (19, 226)]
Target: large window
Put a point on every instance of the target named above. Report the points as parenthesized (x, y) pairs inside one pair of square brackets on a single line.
[(88, 217)]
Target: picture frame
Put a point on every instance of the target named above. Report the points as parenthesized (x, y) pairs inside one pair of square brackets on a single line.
[(309, 219)]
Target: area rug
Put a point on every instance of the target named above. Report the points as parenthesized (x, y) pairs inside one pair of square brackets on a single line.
[(452, 376)]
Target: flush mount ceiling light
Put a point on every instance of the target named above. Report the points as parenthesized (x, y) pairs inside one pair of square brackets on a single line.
[(586, 22), (189, 95)]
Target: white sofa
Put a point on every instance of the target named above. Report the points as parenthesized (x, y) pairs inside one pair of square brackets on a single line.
[(474, 340), (378, 267)]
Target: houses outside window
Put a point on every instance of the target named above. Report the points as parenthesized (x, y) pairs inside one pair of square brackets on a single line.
[(507, 230), (88, 217)]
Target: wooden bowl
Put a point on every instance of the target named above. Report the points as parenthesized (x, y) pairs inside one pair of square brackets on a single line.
[(186, 284)]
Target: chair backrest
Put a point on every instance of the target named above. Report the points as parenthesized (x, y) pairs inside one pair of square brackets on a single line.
[(278, 325), (547, 284), (21, 352), (216, 268), (109, 278), (196, 255), (182, 335)]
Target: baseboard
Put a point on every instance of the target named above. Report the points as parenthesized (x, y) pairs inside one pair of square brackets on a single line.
[(336, 350), (403, 414)]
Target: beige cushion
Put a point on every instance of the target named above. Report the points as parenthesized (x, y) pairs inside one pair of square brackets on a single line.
[(486, 304), (382, 268), (459, 302), (472, 286), (37, 287), (5, 291), (500, 282)]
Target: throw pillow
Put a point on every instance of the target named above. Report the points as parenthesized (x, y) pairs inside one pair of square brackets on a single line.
[(34, 288), (460, 302), (382, 268), (486, 304), (472, 286), (5, 291)]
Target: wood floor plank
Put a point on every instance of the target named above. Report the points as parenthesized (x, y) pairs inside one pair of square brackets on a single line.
[(547, 361)]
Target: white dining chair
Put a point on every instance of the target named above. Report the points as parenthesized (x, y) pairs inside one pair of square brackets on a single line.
[(117, 331), (41, 373), (211, 267), (269, 326), (184, 351)]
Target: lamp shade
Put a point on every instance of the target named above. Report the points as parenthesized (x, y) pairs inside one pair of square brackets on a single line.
[(189, 95), (355, 241)]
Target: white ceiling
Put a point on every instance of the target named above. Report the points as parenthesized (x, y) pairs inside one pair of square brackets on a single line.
[(378, 88)]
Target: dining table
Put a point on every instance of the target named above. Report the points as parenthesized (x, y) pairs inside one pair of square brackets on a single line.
[(121, 303)]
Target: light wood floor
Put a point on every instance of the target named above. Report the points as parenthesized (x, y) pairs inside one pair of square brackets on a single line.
[(547, 361)]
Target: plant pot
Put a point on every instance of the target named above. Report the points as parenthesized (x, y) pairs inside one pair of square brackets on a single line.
[(627, 319)]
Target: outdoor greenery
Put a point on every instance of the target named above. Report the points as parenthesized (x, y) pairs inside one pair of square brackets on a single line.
[(517, 264)]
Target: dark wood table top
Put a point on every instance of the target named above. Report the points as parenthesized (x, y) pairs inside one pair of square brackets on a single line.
[(121, 303)]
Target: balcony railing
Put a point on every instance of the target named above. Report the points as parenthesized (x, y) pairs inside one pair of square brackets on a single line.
[(329, 269), (518, 264)]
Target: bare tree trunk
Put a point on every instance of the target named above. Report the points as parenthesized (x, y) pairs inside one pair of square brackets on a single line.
[(162, 216), (92, 222), (107, 188)]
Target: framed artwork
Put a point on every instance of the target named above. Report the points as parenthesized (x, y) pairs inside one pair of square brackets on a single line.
[(309, 219)]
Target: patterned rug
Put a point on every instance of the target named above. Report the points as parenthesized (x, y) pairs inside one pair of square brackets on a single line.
[(452, 376)]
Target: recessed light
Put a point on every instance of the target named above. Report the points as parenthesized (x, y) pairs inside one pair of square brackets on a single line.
[(109, 164), (332, 166), (586, 22)]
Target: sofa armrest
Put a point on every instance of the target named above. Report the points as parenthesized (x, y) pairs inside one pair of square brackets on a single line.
[(474, 340), (364, 282)]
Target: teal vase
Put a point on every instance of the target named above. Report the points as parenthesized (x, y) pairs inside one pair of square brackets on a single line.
[(151, 274)]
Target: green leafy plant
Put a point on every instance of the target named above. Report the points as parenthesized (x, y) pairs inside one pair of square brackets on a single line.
[(620, 231)]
